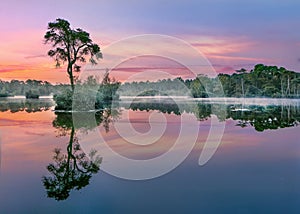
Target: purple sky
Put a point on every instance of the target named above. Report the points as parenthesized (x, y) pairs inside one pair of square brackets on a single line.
[(230, 33)]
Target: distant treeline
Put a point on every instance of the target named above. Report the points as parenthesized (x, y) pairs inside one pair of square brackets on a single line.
[(261, 81), (17, 87)]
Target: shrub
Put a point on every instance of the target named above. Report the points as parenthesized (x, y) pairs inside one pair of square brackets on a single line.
[(63, 100), (4, 94), (32, 95), (88, 95)]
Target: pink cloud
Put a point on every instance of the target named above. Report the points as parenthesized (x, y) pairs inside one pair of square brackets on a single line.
[(222, 45), (225, 69), (239, 58)]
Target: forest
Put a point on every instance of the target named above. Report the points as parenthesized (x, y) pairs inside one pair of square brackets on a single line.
[(18, 87), (261, 81)]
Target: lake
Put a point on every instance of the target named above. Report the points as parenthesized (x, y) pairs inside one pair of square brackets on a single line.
[(113, 160)]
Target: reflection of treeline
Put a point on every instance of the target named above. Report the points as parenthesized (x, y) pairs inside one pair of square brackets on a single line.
[(24, 105), (260, 117), (270, 117), (169, 106), (86, 120), (261, 81)]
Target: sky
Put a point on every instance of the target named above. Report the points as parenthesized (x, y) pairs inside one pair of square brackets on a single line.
[(231, 34)]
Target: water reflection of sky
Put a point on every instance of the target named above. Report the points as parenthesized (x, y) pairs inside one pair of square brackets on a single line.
[(251, 172)]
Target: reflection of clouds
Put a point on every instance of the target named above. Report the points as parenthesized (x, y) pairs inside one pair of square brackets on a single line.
[(26, 145)]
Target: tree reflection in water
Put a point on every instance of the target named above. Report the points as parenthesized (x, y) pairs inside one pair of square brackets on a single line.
[(29, 106), (260, 117), (70, 171), (74, 169), (267, 117)]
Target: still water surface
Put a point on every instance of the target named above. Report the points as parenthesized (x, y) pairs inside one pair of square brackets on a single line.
[(256, 168)]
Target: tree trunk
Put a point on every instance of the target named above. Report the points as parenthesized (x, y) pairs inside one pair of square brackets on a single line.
[(288, 90), (69, 150), (72, 82), (243, 92), (71, 77), (281, 85)]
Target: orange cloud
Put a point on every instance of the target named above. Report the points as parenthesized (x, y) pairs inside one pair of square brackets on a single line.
[(33, 71)]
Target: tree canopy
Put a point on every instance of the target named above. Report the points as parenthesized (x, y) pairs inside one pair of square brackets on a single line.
[(71, 46)]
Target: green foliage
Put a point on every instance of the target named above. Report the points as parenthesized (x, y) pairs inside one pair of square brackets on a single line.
[(88, 95), (107, 91), (63, 100), (197, 88), (4, 94), (17, 87), (32, 95), (71, 46), (175, 87), (151, 93), (262, 81)]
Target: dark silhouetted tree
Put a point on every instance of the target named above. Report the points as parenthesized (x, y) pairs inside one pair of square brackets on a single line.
[(70, 46)]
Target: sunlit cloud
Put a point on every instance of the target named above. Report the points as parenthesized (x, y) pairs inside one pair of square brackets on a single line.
[(33, 71), (222, 46), (35, 56), (240, 58), (234, 34)]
